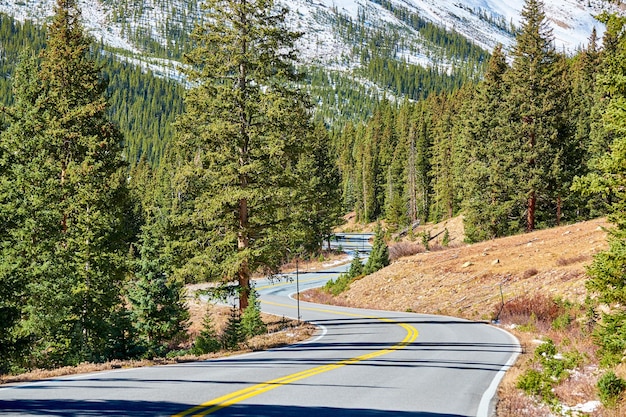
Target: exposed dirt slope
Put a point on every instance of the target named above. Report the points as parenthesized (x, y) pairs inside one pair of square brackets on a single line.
[(465, 280)]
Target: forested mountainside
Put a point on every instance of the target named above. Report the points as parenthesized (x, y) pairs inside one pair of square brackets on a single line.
[(510, 153), (142, 104), (355, 52)]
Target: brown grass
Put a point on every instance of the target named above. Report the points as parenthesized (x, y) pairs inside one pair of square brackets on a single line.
[(573, 260), (516, 404), (404, 249), (281, 332), (522, 309), (438, 281)]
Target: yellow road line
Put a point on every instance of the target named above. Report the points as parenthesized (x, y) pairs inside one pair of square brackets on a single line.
[(227, 400)]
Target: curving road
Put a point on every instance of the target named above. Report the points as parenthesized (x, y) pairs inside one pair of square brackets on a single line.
[(362, 363)]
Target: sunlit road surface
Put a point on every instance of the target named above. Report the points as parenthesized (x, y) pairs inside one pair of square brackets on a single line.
[(361, 363)]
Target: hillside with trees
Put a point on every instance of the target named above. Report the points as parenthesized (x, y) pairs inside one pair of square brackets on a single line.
[(505, 152)]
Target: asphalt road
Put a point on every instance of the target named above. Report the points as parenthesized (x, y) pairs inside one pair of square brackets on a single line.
[(361, 363)]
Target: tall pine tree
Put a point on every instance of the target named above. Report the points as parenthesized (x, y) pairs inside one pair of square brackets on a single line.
[(239, 141), (20, 171), (607, 278), (489, 189), (73, 240), (536, 109)]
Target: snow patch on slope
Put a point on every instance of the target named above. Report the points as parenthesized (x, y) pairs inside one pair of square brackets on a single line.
[(572, 22)]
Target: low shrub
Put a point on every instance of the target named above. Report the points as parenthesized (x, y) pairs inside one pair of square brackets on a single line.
[(520, 310), (549, 369), (530, 273), (610, 335), (610, 388), (534, 382), (572, 260), (402, 249), (339, 285), (562, 322)]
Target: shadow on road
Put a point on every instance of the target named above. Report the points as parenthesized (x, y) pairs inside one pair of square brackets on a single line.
[(114, 408), (88, 408), (292, 411)]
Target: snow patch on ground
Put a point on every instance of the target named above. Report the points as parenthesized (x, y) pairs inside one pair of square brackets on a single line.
[(586, 408)]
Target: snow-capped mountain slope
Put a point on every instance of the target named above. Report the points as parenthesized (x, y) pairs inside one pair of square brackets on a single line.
[(131, 24), (481, 21), (571, 20)]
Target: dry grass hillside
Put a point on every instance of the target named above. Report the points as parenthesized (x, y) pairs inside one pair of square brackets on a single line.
[(466, 280)]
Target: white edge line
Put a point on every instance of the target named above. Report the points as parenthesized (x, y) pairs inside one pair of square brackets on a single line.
[(490, 393)]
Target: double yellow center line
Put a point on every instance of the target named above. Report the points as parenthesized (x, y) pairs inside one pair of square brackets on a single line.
[(227, 400)]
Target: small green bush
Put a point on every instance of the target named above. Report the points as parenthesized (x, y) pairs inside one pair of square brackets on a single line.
[(573, 359), (534, 382), (553, 367), (426, 240), (445, 241), (177, 353), (562, 322), (251, 322), (610, 387), (610, 335), (546, 349), (207, 341), (339, 285)]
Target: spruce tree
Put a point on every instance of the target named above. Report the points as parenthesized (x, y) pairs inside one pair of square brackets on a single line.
[(356, 266), (489, 188), (318, 194), (239, 141), (607, 278), (379, 257), (590, 186), (443, 159), (251, 322), (232, 336), (536, 110), (72, 239), (157, 298), (18, 247), (207, 341), (585, 116)]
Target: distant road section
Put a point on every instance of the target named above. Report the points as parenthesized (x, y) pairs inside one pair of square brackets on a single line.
[(364, 363)]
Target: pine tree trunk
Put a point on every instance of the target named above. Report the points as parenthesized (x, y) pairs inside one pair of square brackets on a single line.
[(412, 180), (243, 239), (532, 206), (244, 270)]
